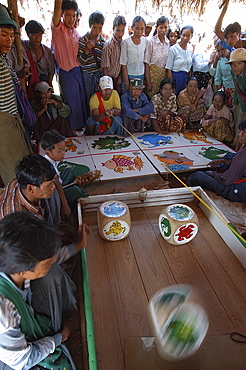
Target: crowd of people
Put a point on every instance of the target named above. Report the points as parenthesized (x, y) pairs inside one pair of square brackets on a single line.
[(114, 86)]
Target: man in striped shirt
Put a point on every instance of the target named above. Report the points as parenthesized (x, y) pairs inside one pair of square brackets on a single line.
[(111, 53), (90, 51), (13, 141)]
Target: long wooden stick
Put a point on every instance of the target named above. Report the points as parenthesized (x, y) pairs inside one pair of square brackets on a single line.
[(12, 5)]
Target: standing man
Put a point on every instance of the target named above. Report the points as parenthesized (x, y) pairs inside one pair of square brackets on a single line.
[(13, 141), (90, 51), (111, 53), (65, 43)]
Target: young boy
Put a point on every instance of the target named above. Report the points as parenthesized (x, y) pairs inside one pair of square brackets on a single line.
[(90, 51), (104, 105), (231, 36), (28, 247), (136, 107), (54, 146), (111, 53), (65, 43)]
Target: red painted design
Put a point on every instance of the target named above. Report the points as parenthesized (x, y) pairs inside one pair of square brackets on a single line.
[(185, 232)]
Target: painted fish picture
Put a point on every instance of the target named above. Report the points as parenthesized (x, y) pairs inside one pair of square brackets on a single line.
[(110, 143), (119, 163)]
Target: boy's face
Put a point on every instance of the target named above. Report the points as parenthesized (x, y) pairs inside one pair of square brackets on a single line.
[(96, 30), (238, 67), (58, 153), (232, 38), (40, 270), (136, 93), (106, 93), (7, 37), (242, 136), (119, 32), (69, 17), (35, 38)]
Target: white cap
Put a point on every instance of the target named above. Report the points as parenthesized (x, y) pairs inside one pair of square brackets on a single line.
[(106, 82)]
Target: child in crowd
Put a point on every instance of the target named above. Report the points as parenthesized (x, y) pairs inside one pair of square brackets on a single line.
[(89, 55), (54, 146), (104, 105), (218, 119), (156, 56), (223, 78), (136, 107), (51, 112), (111, 53), (230, 184), (165, 118), (190, 104), (42, 66), (173, 34), (65, 43), (132, 52), (179, 60), (28, 248)]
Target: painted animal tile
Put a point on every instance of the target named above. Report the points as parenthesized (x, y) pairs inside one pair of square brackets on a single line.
[(214, 152), (197, 138), (153, 140), (176, 159), (76, 146), (81, 164), (110, 143), (118, 165)]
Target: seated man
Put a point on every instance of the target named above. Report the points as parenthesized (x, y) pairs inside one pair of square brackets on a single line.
[(30, 191), (230, 184), (27, 251), (104, 105), (136, 107), (51, 112)]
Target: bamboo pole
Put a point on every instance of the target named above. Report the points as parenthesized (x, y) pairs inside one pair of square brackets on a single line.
[(12, 5)]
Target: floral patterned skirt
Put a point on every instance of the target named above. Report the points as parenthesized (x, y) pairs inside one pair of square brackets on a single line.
[(156, 76), (220, 131), (172, 124)]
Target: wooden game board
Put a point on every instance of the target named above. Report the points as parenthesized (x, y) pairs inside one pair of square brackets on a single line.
[(124, 275)]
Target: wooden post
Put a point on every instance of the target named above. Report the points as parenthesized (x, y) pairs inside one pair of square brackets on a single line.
[(12, 5)]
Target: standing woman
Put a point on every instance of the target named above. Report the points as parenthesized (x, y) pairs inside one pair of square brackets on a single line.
[(179, 59), (132, 52), (156, 57)]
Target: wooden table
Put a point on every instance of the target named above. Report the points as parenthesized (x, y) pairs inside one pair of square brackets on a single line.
[(124, 275)]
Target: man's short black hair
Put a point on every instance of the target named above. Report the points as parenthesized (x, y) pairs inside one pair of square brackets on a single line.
[(34, 169), (69, 4), (25, 240), (96, 17), (50, 138), (232, 27), (118, 21)]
